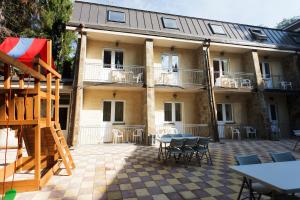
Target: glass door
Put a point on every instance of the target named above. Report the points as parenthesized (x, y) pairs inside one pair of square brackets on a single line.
[(221, 68), (266, 74)]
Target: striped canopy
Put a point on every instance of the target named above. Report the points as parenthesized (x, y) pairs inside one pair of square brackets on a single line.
[(25, 49)]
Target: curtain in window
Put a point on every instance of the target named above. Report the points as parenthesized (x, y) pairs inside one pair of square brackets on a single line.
[(119, 59)]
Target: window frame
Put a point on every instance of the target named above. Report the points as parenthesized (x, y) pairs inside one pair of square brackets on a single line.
[(263, 70), (165, 24), (170, 63), (113, 58), (114, 11), (215, 32), (224, 113), (173, 111), (113, 111)]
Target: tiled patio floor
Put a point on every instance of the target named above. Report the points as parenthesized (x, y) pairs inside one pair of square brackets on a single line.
[(127, 171)]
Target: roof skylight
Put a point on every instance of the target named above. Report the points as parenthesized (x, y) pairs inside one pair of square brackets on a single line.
[(258, 34), (169, 23), (116, 16), (217, 29)]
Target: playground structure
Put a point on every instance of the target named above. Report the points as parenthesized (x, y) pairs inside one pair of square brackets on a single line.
[(33, 113)]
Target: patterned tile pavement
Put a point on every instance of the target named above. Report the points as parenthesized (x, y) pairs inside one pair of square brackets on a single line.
[(128, 171)]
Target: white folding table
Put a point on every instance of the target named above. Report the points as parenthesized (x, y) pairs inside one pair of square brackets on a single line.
[(283, 177)]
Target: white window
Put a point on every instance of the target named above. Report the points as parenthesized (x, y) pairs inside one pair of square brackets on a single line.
[(113, 111), (265, 70), (172, 112), (170, 61), (224, 112), (113, 59), (221, 67)]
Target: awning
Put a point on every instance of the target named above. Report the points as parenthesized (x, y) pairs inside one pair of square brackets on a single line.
[(25, 49)]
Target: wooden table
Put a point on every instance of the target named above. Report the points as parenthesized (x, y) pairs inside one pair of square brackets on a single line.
[(283, 177)]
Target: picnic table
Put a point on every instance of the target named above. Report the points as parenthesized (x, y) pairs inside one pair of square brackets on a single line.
[(283, 177), (163, 141)]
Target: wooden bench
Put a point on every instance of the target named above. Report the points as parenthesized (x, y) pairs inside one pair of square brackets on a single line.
[(297, 133)]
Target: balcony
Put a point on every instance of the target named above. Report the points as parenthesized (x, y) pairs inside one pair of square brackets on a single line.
[(235, 80), (278, 82), (184, 78), (123, 74)]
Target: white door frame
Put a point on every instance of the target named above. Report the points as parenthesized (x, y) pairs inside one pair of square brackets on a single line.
[(178, 124)]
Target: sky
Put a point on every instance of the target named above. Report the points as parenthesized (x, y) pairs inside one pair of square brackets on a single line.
[(254, 12)]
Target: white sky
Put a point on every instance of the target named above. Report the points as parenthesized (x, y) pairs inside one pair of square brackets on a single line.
[(254, 12)]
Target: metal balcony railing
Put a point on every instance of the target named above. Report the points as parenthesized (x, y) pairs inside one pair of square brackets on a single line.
[(279, 82), (235, 80), (194, 129), (127, 74), (179, 77)]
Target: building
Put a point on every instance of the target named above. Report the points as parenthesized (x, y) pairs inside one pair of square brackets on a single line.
[(150, 70)]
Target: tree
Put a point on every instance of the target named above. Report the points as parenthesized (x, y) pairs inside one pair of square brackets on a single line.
[(40, 18), (287, 21)]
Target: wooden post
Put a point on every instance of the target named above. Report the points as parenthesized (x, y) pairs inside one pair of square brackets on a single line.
[(7, 76), (56, 108), (48, 107), (21, 81), (49, 53), (37, 155)]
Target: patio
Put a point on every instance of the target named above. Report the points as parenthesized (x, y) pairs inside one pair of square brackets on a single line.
[(127, 171)]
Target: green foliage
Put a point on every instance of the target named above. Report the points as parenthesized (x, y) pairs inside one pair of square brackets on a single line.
[(287, 21), (44, 19)]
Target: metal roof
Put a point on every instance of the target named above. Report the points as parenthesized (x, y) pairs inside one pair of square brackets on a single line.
[(295, 26), (94, 16)]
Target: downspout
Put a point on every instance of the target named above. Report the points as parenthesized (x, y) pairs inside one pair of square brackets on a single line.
[(211, 98)]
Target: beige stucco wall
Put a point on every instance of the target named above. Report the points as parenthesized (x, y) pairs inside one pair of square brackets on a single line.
[(188, 58), (92, 110), (133, 53), (190, 110)]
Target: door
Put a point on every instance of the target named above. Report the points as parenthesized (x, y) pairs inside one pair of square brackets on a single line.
[(173, 114), (112, 62), (221, 68), (169, 73), (224, 115), (273, 114), (113, 113), (64, 119), (266, 74)]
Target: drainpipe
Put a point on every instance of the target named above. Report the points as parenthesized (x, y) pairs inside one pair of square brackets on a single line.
[(211, 98)]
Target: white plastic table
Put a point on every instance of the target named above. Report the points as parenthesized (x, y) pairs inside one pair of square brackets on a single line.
[(283, 177)]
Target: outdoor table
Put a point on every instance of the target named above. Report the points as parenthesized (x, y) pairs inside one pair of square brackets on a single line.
[(283, 177), (165, 141)]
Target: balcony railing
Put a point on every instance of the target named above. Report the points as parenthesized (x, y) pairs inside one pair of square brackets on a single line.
[(97, 134), (194, 129), (127, 74), (279, 82), (235, 80), (179, 77)]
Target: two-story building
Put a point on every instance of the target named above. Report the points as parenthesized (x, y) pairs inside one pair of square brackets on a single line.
[(147, 70)]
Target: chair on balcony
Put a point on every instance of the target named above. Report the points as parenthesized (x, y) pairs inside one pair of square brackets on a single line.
[(138, 135), (117, 136), (286, 85), (138, 77), (235, 132), (250, 131), (246, 83)]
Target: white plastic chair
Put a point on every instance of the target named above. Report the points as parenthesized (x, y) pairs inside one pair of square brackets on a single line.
[(286, 85), (250, 131), (138, 77), (246, 83), (235, 132), (173, 130), (117, 134), (137, 135)]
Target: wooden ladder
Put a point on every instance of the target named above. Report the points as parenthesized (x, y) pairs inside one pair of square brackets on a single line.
[(62, 147)]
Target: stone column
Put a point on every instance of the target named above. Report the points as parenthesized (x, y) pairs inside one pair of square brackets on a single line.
[(260, 108), (149, 104), (77, 96)]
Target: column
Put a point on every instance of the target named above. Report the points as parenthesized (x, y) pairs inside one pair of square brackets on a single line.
[(149, 105), (77, 97)]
